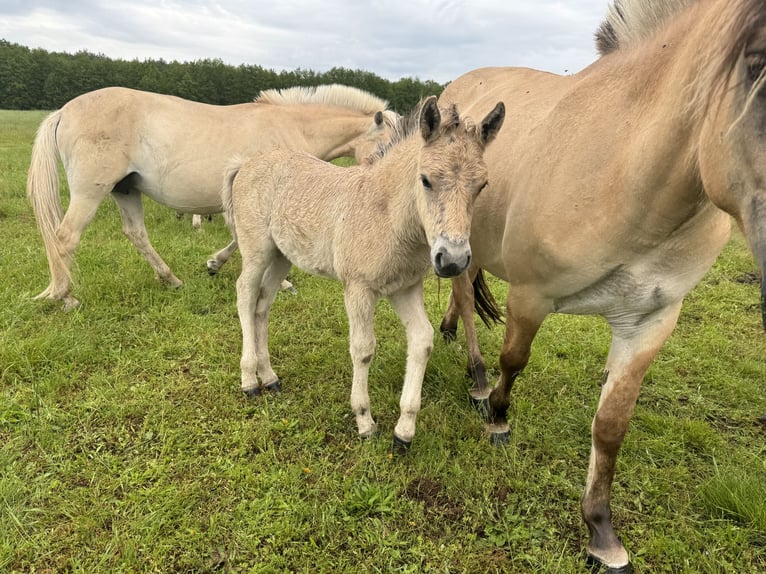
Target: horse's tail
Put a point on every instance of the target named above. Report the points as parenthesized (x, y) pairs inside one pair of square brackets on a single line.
[(43, 194), (229, 173), (484, 302)]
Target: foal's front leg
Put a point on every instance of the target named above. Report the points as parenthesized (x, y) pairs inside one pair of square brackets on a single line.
[(408, 304), (360, 308)]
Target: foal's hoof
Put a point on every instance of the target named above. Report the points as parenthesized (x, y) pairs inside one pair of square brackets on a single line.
[(253, 393), (212, 267), (598, 567), (275, 387), (400, 446)]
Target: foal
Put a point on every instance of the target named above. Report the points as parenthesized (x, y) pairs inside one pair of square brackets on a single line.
[(375, 227)]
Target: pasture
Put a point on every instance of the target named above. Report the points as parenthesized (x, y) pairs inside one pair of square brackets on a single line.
[(126, 444)]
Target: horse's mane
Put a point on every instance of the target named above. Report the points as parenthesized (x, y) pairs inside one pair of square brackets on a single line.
[(406, 126), (330, 95), (629, 22), (724, 30)]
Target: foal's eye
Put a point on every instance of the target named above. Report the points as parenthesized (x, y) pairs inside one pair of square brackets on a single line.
[(426, 183), (483, 187)]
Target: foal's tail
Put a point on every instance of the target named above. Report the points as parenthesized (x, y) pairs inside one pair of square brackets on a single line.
[(43, 194), (229, 173), (484, 303)]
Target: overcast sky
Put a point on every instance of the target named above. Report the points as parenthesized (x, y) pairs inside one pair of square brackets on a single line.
[(429, 39)]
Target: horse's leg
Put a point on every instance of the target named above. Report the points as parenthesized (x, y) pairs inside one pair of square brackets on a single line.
[(82, 209), (248, 291), (360, 308), (132, 213), (197, 221), (523, 319), (408, 304), (632, 351), (217, 259), (270, 284)]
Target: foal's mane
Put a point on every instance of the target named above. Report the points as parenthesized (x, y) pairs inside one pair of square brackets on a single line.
[(329, 95), (406, 126)]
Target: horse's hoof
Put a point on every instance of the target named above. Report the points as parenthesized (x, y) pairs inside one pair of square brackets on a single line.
[(449, 335), (212, 266), (481, 404), (400, 446), (598, 567), (275, 387), (500, 438), (253, 393)]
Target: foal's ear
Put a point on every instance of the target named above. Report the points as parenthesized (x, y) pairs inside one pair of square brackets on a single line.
[(430, 119), (492, 123)]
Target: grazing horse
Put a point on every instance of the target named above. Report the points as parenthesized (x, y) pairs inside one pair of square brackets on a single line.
[(611, 194), (126, 143), (375, 227)]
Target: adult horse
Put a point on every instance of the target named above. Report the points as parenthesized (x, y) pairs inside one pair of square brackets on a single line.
[(375, 227), (611, 194), (127, 143)]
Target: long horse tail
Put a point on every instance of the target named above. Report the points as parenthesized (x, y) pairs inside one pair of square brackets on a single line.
[(229, 173), (484, 303), (43, 194)]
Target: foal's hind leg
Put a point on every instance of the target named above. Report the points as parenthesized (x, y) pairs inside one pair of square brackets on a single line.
[(270, 284), (632, 351), (132, 212), (408, 304)]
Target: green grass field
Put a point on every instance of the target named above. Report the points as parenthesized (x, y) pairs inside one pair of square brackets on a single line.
[(127, 446)]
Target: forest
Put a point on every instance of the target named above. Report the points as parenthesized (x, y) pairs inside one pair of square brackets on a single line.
[(36, 79)]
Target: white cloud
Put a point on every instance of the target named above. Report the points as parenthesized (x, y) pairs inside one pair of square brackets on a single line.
[(431, 39)]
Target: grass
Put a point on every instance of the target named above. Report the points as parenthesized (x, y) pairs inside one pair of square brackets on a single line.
[(126, 445)]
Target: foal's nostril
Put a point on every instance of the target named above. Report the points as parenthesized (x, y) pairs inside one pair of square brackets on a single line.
[(439, 259)]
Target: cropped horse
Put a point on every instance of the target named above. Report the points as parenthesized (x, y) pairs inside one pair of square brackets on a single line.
[(375, 227), (611, 194), (127, 143)]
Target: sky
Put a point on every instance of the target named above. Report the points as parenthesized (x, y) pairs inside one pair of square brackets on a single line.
[(426, 39)]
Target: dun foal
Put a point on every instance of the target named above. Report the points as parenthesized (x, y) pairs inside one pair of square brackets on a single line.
[(374, 227)]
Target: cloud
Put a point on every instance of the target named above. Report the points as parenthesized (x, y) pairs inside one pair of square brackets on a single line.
[(430, 39)]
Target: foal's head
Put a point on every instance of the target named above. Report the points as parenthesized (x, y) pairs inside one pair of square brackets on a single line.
[(451, 173)]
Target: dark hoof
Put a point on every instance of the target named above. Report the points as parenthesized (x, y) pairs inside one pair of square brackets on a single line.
[(598, 567), (212, 272), (253, 393), (481, 404), (449, 335), (400, 446), (275, 387), (499, 438)]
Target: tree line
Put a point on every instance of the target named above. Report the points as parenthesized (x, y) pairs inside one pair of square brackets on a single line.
[(36, 79)]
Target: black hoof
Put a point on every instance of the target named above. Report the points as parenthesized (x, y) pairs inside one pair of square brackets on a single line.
[(598, 567), (253, 393), (449, 335), (212, 272), (400, 446), (481, 404), (275, 387), (500, 438)]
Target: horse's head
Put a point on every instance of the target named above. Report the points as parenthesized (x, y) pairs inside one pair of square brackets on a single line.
[(732, 151), (451, 173), (378, 135)]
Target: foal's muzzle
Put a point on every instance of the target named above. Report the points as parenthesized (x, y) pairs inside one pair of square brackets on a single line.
[(450, 258)]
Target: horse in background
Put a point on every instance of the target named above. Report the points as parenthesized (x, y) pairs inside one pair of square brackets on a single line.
[(612, 192), (375, 227), (125, 143)]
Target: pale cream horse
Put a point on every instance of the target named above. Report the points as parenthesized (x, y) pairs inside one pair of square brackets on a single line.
[(127, 143), (375, 227), (611, 194)]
